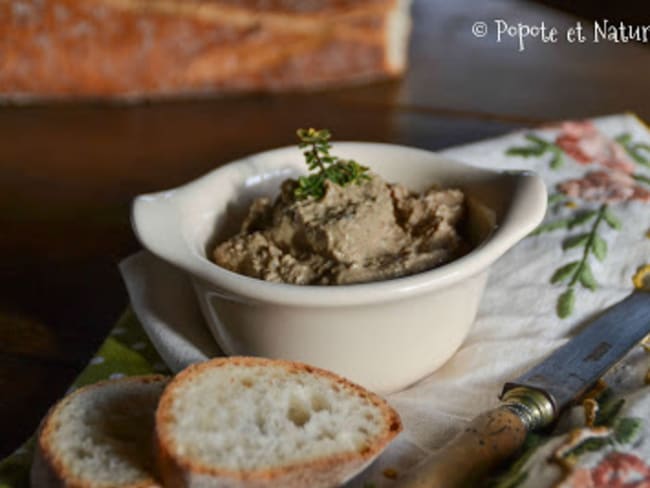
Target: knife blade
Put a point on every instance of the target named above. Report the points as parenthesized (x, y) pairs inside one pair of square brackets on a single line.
[(536, 398), (575, 367)]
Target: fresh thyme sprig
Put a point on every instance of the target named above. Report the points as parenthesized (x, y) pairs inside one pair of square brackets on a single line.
[(326, 166)]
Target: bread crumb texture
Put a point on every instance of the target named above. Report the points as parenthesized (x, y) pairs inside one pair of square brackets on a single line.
[(252, 414), (103, 433)]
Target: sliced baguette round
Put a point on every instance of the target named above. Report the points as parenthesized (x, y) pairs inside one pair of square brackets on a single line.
[(100, 436), (253, 422)]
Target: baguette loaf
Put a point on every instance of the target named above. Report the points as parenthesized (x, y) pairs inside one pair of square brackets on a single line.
[(251, 422), (154, 48), (100, 437)]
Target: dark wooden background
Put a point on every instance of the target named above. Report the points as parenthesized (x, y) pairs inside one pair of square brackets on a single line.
[(69, 171)]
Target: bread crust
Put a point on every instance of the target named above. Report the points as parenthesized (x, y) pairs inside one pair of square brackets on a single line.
[(158, 48), (48, 469), (181, 471)]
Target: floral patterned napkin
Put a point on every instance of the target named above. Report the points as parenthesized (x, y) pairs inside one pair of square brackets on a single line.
[(604, 441), (592, 249)]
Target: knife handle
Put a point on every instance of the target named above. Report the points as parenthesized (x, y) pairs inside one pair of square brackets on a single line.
[(488, 441)]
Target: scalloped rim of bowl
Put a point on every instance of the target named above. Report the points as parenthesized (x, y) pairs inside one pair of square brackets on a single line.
[(158, 224)]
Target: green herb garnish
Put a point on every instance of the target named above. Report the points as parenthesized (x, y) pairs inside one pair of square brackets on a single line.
[(327, 167)]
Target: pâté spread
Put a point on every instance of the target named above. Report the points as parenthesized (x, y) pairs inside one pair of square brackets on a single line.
[(367, 230)]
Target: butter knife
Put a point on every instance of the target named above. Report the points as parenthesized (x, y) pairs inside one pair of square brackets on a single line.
[(536, 398)]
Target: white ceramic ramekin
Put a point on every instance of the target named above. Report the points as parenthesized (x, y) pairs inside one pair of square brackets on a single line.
[(383, 335)]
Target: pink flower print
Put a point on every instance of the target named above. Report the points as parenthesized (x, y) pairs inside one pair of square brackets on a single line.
[(622, 470), (583, 142), (605, 187), (617, 470)]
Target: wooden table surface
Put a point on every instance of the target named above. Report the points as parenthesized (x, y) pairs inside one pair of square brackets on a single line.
[(68, 172)]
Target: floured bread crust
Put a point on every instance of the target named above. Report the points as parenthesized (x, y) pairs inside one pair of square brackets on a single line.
[(154, 48)]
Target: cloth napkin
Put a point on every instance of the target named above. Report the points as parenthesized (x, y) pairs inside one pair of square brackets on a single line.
[(591, 251)]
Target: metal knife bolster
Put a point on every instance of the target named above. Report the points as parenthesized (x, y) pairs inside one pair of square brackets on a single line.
[(534, 407)]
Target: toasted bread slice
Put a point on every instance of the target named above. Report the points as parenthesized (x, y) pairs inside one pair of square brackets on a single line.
[(100, 436), (252, 422)]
